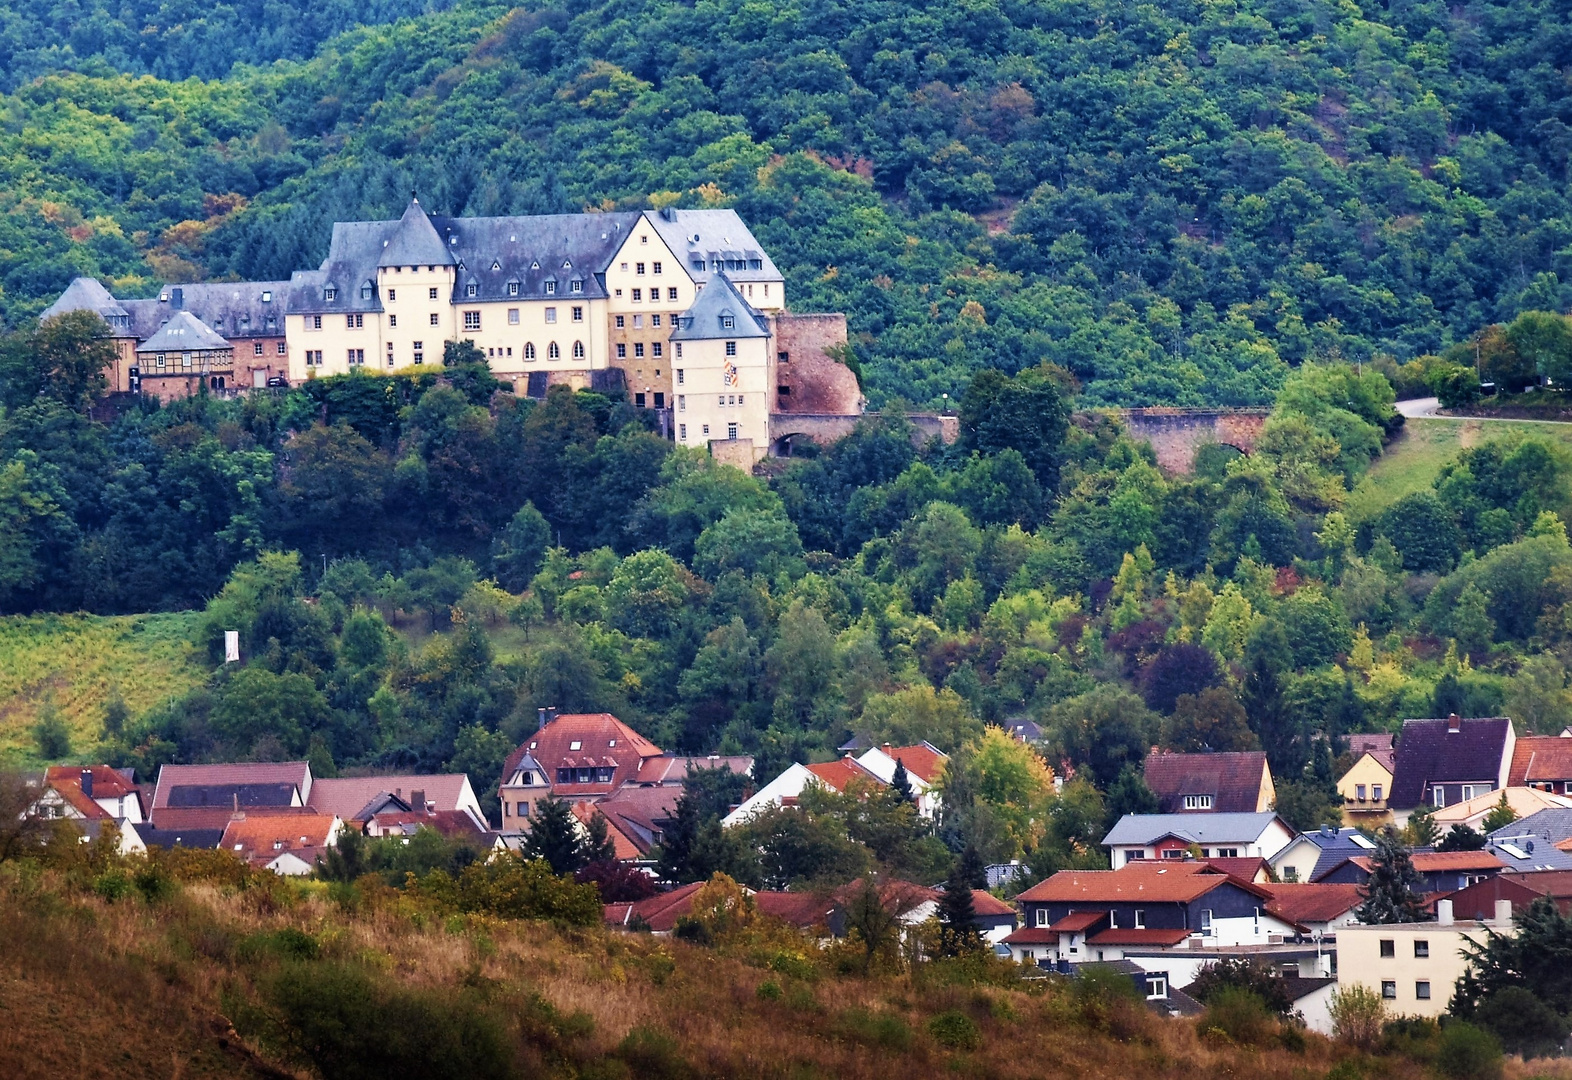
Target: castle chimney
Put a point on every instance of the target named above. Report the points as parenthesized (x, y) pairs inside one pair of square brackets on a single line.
[(177, 298), (1453, 724), (1443, 912), (87, 782)]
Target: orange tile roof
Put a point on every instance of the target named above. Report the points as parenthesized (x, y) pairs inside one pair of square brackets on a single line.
[(1156, 881), (262, 838), (108, 783), (1077, 921), (1138, 937), (621, 843), (921, 761), (1300, 904), (804, 910), (1245, 869), (986, 903), (1432, 861), (1540, 759), (602, 741), (839, 775), (450, 823)]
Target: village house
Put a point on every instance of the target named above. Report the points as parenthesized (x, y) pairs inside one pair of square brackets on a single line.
[(1414, 966), (924, 764), (287, 844), (1522, 801), (1542, 762), (1441, 762), (1220, 783), (1479, 900), (1205, 835), (1367, 785), (840, 775), (1440, 871)]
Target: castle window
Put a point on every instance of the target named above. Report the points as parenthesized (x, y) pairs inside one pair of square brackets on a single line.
[(576, 286), (697, 264), (552, 352), (434, 318), (529, 350), (471, 289), (281, 348), (622, 320), (655, 321), (513, 316), (472, 320), (655, 268), (256, 349), (365, 292), (728, 322), (638, 349), (420, 354), (731, 348), (655, 349), (578, 314), (755, 264), (431, 294), (392, 320), (392, 295), (638, 268), (578, 350), (330, 293), (513, 288), (551, 288), (638, 295), (622, 351), (671, 294), (551, 314)]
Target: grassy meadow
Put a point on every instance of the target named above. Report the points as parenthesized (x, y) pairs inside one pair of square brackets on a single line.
[(80, 662)]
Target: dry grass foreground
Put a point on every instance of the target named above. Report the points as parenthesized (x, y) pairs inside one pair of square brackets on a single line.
[(80, 662), (130, 988)]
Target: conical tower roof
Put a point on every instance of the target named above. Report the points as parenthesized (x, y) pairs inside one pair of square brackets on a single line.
[(415, 241)]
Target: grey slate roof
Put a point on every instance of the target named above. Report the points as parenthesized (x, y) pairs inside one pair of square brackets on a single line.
[(1340, 845), (1427, 752), (1525, 852), (415, 241), (1547, 827), (1197, 828), (86, 294), (720, 302), (234, 309), (184, 332), (711, 237)]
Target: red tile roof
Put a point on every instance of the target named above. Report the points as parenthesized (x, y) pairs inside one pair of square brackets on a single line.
[(1158, 882), (217, 817), (450, 823), (921, 761), (297, 773), (1370, 742), (838, 775), (1245, 869), (806, 910), (1304, 904), (661, 912), (263, 838), (1540, 759), (673, 768), (108, 783), (1233, 780), (621, 843), (1077, 921), (1032, 935), (602, 741), (346, 796), (898, 896), (1433, 861), (986, 903), (1138, 937)]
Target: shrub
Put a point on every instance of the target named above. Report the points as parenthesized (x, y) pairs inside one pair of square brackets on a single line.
[(284, 944), (153, 882), (112, 885), (768, 990), (1246, 973), (955, 1030), (1524, 1024), (1347, 1069), (874, 1029), (1240, 1014), (1468, 1053), (1357, 1015), (653, 1055)]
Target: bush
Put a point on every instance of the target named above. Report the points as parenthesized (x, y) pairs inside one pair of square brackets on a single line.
[(350, 1026), (1246, 973), (1524, 1024), (769, 990), (112, 885), (955, 1030), (1240, 1014), (285, 944), (1468, 1053), (1357, 1015), (874, 1029), (653, 1055)]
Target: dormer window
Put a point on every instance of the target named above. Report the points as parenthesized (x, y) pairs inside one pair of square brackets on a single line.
[(267, 296), (576, 285), (513, 288), (534, 266), (495, 265), (728, 322), (330, 293), (551, 288), (365, 292), (567, 264), (471, 289), (1197, 802)]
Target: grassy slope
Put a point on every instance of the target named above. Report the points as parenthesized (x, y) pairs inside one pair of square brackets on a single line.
[(68, 972), (1413, 461), (81, 661)]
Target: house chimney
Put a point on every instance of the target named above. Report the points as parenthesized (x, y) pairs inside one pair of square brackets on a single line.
[(541, 716), (1444, 912), (1503, 913), (1453, 724), (177, 298), (1326, 830), (551, 713), (87, 782), (236, 814), (417, 801)]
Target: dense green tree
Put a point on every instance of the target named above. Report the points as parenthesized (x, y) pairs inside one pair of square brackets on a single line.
[(1392, 893)]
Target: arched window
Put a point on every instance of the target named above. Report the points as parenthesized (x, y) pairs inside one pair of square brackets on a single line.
[(529, 350), (552, 352), (578, 350)]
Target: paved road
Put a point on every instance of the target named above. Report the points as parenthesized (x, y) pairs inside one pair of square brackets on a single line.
[(1427, 408)]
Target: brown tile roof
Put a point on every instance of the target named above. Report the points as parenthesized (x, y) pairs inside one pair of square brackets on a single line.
[(450, 823), (838, 775), (1077, 921), (346, 796), (921, 761), (217, 817), (1540, 759), (1432, 861), (602, 741), (622, 844), (1154, 881), (673, 768), (1032, 935), (297, 773), (986, 903), (663, 911), (1138, 937), (263, 838), (1233, 780), (899, 896), (1304, 904), (1370, 742), (1245, 869), (804, 910)]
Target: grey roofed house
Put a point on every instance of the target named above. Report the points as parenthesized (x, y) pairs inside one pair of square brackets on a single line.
[(184, 332), (720, 312), (234, 309), (713, 237), (1450, 753), (503, 258), (1545, 829), (1196, 828), (1525, 851), (89, 294), (173, 838), (1343, 843)]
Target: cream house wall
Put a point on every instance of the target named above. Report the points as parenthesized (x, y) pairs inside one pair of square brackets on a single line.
[(1368, 772), (1359, 961), (407, 308), (701, 416), (541, 323), (649, 374), (332, 339)]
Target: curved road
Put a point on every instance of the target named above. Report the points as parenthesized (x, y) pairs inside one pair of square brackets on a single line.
[(1428, 408)]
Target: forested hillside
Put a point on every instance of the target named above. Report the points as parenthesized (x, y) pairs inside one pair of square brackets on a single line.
[(1173, 201)]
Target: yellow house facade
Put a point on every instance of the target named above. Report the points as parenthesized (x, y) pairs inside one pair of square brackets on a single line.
[(1365, 789), (1414, 967), (724, 371)]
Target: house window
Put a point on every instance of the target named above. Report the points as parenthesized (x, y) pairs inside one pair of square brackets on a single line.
[(1422, 990), (1375, 792), (638, 322), (1042, 916), (392, 320), (1359, 792), (354, 322), (330, 293), (1438, 796), (1388, 947), (281, 348), (638, 349), (267, 296), (365, 292), (638, 400), (552, 352), (1421, 949), (392, 295), (1174, 853), (433, 318), (1389, 989), (431, 294), (524, 809), (472, 320), (655, 320), (696, 264), (655, 349), (622, 321), (1206, 921), (682, 402), (513, 288), (731, 432), (513, 316), (679, 376), (1140, 918), (622, 351), (551, 314), (728, 322), (316, 322), (655, 268), (576, 286), (671, 294), (578, 350), (706, 429), (721, 401), (420, 352), (1156, 987), (679, 350), (578, 314), (731, 348), (638, 268), (1227, 853), (357, 357), (638, 295), (551, 288), (529, 350), (682, 432), (1197, 802)]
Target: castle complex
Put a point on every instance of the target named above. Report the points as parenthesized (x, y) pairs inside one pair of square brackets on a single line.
[(680, 309)]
